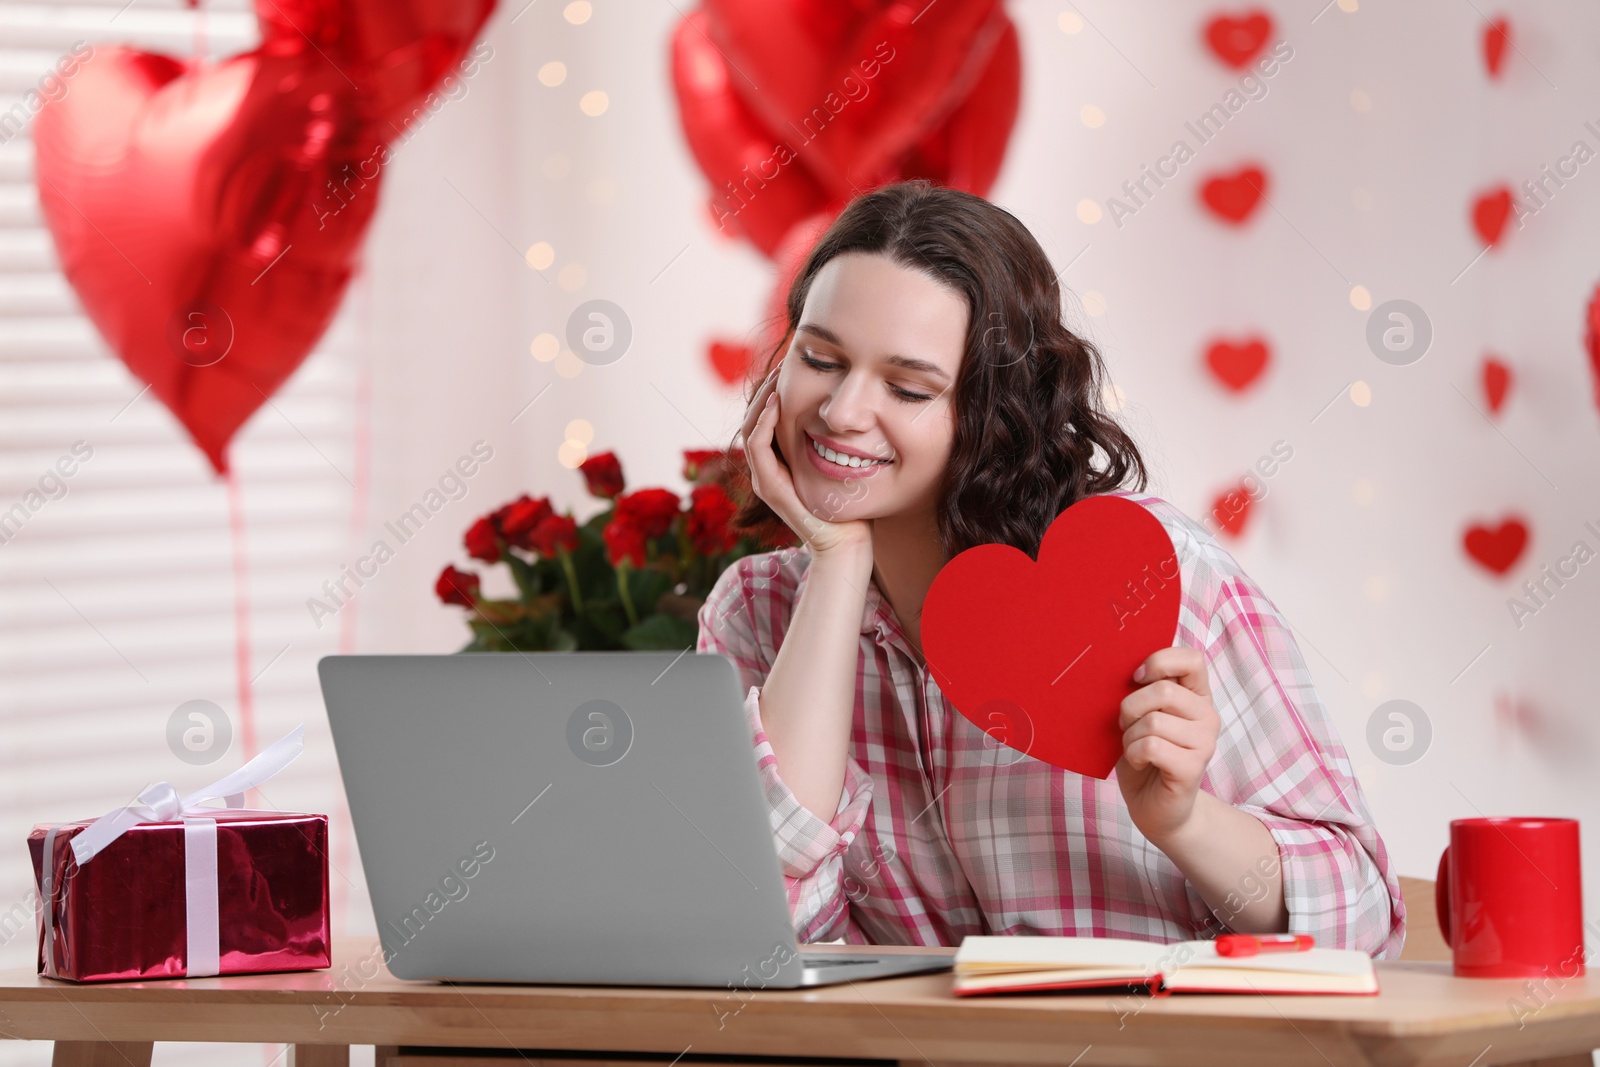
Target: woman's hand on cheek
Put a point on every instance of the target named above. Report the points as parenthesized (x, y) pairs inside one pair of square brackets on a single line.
[(773, 481), (1169, 734)]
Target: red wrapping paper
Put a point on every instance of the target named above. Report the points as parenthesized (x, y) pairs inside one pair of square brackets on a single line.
[(123, 914)]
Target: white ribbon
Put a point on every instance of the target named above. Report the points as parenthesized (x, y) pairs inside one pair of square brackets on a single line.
[(161, 803)]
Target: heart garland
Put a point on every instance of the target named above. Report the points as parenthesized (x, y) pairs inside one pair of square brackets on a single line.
[(1496, 548), (1496, 38), (209, 216), (1591, 341), (1490, 212), (1237, 366), (1236, 41), (1496, 383), (1233, 198)]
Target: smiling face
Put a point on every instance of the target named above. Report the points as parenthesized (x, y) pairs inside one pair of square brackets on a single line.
[(870, 377)]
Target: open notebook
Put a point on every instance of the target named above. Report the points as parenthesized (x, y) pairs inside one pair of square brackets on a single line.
[(1021, 964)]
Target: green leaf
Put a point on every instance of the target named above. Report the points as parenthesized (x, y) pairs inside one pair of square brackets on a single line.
[(661, 632)]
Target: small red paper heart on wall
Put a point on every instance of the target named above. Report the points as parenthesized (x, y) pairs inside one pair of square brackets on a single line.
[(1496, 383), (1236, 41), (1039, 655), (1490, 213), (1231, 510), (729, 360), (1591, 341), (1496, 548), (1496, 39), (1237, 365), (1234, 197)]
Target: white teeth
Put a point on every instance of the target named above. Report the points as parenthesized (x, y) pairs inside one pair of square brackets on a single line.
[(843, 460)]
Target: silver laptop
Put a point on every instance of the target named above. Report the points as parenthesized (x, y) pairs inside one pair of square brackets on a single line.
[(570, 817)]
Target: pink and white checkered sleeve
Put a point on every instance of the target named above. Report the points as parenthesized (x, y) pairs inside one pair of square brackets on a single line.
[(738, 620), (1280, 758)]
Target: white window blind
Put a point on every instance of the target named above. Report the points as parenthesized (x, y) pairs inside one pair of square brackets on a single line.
[(117, 597)]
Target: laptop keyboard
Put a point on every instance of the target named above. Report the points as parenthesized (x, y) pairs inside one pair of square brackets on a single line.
[(831, 961)]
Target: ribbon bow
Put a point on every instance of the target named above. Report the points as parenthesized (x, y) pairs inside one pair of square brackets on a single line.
[(161, 802)]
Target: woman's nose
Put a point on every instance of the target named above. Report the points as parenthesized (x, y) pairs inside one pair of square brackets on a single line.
[(849, 406)]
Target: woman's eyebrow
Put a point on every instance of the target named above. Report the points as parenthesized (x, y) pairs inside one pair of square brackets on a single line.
[(908, 362)]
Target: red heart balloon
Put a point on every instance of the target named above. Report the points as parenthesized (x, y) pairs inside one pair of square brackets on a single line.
[(1489, 214), (1236, 41), (1234, 197), (761, 189), (1496, 548), (1496, 36), (1237, 365), (1496, 383), (209, 216), (397, 51), (1041, 654), (941, 107), (810, 65), (187, 208)]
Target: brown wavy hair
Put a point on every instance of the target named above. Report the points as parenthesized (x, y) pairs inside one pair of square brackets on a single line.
[(1029, 415)]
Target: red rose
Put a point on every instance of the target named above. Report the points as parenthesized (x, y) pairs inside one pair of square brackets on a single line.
[(698, 460), (603, 474), (710, 509), (651, 510), (481, 540), (519, 518), (624, 540), (556, 531), (457, 587)]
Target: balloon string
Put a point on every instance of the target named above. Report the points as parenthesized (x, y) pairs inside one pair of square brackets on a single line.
[(362, 491), (241, 616), (199, 32)]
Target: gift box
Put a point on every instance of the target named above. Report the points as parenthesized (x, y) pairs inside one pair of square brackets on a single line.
[(168, 887)]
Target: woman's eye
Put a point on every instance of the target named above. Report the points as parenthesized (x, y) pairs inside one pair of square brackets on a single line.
[(812, 361), (823, 365)]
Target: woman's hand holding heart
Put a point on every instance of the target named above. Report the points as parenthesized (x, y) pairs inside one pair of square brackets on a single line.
[(1169, 734)]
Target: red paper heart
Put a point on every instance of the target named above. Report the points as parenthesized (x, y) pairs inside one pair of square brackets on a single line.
[(1496, 383), (209, 218), (1496, 36), (1237, 365), (1591, 341), (1234, 197), (731, 361), (1041, 654), (1489, 214), (1237, 40), (1496, 548), (1231, 510)]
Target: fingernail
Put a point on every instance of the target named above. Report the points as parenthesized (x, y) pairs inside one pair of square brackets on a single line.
[(1138, 675)]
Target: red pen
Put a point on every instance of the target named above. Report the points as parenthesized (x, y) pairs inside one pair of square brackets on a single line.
[(1251, 944)]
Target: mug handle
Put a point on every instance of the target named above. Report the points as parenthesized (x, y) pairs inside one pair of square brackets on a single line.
[(1441, 895)]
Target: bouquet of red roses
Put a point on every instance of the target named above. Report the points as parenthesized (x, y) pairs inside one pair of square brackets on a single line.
[(632, 577)]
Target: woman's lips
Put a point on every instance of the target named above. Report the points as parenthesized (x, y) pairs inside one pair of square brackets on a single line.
[(829, 469)]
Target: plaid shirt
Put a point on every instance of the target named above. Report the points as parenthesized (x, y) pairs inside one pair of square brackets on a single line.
[(942, 832)]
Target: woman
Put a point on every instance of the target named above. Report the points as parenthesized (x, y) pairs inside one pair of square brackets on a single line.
[(927, 398)]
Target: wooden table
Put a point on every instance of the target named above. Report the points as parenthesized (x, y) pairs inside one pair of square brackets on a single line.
[(1423, 1016)]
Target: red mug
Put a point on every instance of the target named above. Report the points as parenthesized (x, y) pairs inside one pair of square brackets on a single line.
[(1510, 898)]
